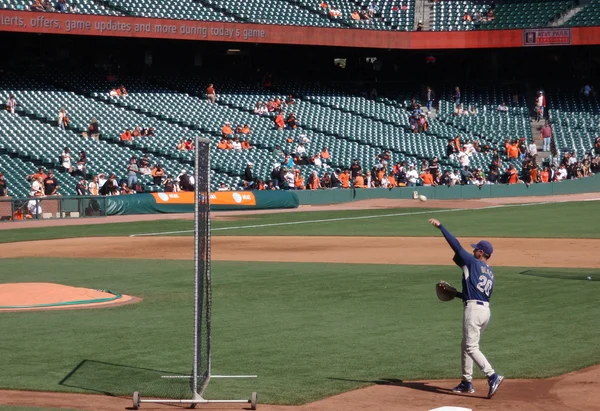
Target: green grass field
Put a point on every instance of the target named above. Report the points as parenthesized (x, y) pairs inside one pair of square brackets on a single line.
[(308, 330), (572, 220)]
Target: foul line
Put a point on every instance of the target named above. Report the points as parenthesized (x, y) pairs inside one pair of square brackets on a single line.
[(453, 210)]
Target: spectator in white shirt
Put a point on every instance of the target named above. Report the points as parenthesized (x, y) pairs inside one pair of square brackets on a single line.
[(66, 160), (11, 104), (412, 175), (301, 150), (561, 174), (236, 145), (455, 177), (463, 158), (223, 187), (573, 158), (532, 149), (289, 178), (502, 107)]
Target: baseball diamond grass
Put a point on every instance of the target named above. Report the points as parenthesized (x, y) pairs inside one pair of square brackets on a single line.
[(308, 330), (572, 220)]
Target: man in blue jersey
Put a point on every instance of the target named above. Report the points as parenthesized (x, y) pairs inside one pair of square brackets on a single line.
[(477, 287)]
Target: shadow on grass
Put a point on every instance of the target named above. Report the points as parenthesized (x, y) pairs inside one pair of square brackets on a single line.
[(118, 380), (414, 385)]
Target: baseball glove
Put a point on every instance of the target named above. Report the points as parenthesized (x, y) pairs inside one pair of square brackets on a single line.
[(445, 291)]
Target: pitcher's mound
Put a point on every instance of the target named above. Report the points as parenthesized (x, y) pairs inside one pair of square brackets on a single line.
[(49, 296)]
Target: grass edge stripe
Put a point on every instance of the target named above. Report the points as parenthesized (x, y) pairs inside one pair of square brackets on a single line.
[(364, 217), (115, 296)]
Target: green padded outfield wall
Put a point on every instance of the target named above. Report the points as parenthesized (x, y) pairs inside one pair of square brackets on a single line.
[(183, 202), (584, 185)]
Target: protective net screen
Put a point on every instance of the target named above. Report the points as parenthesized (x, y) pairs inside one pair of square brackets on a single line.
[(201, 369)]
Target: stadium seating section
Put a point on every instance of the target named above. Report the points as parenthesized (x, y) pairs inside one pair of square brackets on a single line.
[(575, 119), (449, 15), (388, 14), (589, 15), (348, 124)]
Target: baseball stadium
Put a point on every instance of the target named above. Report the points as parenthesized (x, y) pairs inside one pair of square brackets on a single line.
[(300, 205)]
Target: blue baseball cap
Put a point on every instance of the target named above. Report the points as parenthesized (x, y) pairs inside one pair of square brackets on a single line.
[(484, 246)]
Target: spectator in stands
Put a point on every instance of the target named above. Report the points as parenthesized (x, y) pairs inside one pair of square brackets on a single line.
[(335, 13), (37, 6), (355, 16), (465, 175), (344, 179), (246, 129), (522, 145), (427, 179), (37, 186), (261, 109), (430, 96), (82, 163), (513, 150), (316, 160), (546, 136), (249, 177), (62, 6), (63, 119), (136, 132), (238, 129), (82, 187), (491, 16), (588, 91), (93, 129), (532, 149), (411, 176), (65, 160), (502, 107), (246, 144), (298, 181), (126, 136), (463, 157), (51, 184), (189, 145), (226, 130), (458, 110), (314, 183), (150, 132), (93, 187), (562, 173), (456, 95), (290, 100), (325, 156), (326, 181), (186, 181), (324, 5), (467, 17), (132, 172), (211, 95), (11, 104), (287, 178), (236, 145), (157, 174), (276, 104), (169, 185), (420, 25), (473, 111), (359, 181), (3, 186), (355, 168), (277, 151), (291, 121), (279, 122), (35, 176), (48, 5), (222, 187), (539, 106), (300, 150)]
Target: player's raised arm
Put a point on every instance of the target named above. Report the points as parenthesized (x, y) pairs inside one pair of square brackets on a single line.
[(454, 244)]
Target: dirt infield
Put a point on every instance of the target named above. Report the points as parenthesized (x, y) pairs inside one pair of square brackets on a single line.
[(511, 252), (578, 391), (27, 296)]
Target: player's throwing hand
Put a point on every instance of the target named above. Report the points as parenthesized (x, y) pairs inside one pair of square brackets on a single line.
[(434, 222)]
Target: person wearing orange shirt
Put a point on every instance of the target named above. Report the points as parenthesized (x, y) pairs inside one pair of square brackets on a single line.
[(246, 144), (513, 151), (457, 142), (512, 175), (211, 95), (314, 183), (229, 144), (299, 181), (227, 131), (392, 181), (279, 121), (427, 179), (345, 179), (222, 144), (545, 175), (126, 136), (359, 181), (136, 131), (246, 129), (533, 174)]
